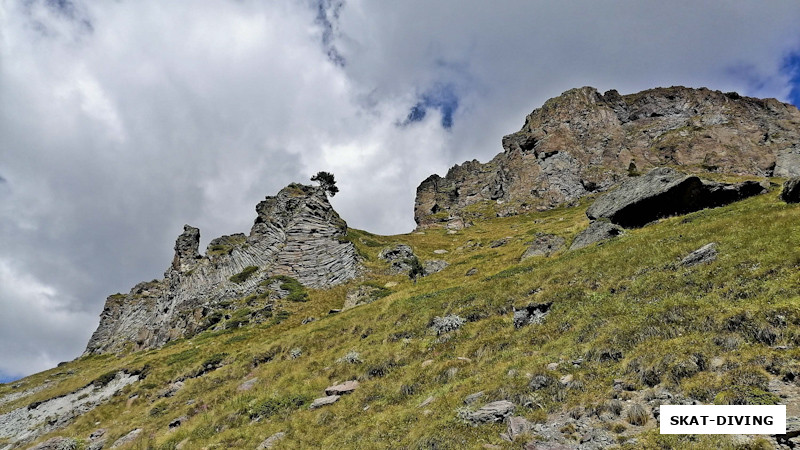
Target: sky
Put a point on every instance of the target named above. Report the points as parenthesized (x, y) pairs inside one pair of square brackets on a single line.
[(122, 121)]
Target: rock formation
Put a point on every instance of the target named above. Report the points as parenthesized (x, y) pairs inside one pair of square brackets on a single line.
[(584, 142), (296, 233)]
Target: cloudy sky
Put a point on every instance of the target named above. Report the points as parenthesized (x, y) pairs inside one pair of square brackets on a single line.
[(121, 121)]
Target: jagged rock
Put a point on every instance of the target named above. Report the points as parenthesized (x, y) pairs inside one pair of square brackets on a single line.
[(130, 437), (447, 323), (471, 272), (271, 441), (664, 192), (531, 314), (398, 257), (584, 142), (57, 443), (247, 385), (324, 401), (342, 389), (432, 266), (98, 434), (702, 255), (498, 243), (544, 245), (472, 398), (175, 423), (491, 413), (791, 190), (517, 426), (296, 233), (171, 390), (595, 232)]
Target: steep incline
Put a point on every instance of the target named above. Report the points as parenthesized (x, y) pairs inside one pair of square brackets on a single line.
[(297, 233), (583, 142)]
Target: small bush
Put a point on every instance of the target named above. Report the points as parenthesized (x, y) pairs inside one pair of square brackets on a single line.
[(242, 276), (268, 407), (745, 395), (637, 415)]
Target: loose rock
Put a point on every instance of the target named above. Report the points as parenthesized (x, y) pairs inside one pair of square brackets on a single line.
[(596, 232), (271, 441), (490, 413), (702, 255), (531, 314), (57, 443), (791, 190), (323, 401), (342, 389), (432, 266), (130, 437), (544, 245)]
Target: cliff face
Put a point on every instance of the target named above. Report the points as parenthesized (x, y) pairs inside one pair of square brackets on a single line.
[(583, 142), (296, 233)]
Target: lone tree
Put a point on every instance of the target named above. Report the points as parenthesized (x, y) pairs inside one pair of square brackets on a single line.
[(326, 181)]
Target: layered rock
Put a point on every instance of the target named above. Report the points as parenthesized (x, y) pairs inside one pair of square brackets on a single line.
[(584, 142), (296, 233)]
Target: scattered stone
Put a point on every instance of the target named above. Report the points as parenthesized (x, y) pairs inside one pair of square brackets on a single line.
[(544, 245), (426, 363), (247, 385), (426, 402), (271, 441), (447, 323), (471, 272), (342, 389), (596, 232), (177, 422), (308, 320), (791, 190), (295, 353), (498, 243), (566, 379), (440, 251), (463, 358), (334, 311), (491, 413), (665, 192), (531, 314), (540, 381), (130, 437), (791, 439), (702, 255), (98, 434), (472, 398), (171, 390), (432, 266), (552, 366), (517, 426), (323, 401), (57, 443)]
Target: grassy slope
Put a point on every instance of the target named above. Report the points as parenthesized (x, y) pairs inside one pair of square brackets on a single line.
[(628, 295)]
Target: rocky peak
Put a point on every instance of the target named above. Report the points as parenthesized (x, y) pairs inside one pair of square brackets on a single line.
[(584, 142), (186, 248), (296, 233)]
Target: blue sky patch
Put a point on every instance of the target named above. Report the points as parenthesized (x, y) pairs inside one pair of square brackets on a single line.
[(791, 66), (441, 97)]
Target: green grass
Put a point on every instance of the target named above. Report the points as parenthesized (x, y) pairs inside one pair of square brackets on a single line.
[(626, 307)]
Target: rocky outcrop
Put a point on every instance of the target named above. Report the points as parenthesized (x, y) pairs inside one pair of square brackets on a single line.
[(596, 232), (791, 190), (665, 192), (584, 142), (296, 233)]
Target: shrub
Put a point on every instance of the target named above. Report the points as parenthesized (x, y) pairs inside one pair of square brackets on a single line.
[(242, 276), (447, 323), (637, 415), (614, 407), (268, 407)]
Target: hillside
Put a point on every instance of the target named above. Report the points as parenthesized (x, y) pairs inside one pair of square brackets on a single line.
[(559, 327), (623, 310)]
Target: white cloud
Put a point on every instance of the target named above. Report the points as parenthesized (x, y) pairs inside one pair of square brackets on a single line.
[(121, 121)]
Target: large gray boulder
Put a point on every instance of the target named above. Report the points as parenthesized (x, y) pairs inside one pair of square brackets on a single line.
[(491, 413), (791, 190), (665, 192), (595, 232), (544, 245)]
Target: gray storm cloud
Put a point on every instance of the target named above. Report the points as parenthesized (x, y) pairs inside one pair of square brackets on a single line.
[(121, 121)]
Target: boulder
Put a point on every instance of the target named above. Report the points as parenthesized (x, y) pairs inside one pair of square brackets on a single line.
[(596, 232), (472, 398), (432, 266), (324, 401), (517, 426), (471, 272), (665, 192), (57, 443), (491, 413), (791, 190), (271, 441), (171, 390), (702, 255), (175, 423), (130, 437), (531, 314), (341, 389), (544, 245), (397, 257)]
